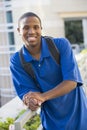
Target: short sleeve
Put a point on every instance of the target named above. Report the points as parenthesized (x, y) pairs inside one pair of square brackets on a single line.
[(69, 66)]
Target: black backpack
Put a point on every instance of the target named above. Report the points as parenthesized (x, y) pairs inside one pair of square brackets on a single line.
[(28, 67)]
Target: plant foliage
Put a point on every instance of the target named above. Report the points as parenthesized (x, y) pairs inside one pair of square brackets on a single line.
[(32, 123)]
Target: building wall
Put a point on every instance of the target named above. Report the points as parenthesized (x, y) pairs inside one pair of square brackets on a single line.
[(53, 13), (6, 89)]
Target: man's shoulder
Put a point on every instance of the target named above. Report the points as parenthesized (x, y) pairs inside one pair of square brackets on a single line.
[(60, 39), (57, 40), (15, 57), (61, 42)]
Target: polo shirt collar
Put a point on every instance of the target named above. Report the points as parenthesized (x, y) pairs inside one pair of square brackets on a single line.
[(27, 55), (44, 52)]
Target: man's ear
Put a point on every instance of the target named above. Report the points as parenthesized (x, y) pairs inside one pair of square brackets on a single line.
[(18, 29)]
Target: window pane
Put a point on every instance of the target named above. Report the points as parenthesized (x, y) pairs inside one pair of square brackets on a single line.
[(74, 31), (9, 16), (11, 38)]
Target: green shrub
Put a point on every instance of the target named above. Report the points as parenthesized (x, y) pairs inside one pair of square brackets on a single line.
[(32, 124), (84, 51), (5, 125), (20, 113)]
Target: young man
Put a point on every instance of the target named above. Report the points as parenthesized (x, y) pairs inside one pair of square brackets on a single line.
[(60, 95)]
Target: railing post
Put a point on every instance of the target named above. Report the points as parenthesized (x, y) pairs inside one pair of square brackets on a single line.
[(18, 126), (19, 123), (11, 127)]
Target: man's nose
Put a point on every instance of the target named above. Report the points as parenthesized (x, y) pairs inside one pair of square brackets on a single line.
[(31, 30)]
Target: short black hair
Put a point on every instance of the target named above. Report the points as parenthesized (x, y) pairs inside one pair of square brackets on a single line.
[(28, 14)]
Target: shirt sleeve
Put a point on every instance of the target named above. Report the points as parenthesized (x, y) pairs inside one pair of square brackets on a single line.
[(22, 82), (69, 66)]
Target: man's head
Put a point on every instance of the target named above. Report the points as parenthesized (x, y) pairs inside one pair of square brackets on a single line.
[(28, 14), (29, 27)]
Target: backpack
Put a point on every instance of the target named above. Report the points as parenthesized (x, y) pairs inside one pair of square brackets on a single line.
[(28, 67)]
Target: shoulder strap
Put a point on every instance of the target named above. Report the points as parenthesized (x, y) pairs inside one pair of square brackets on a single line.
[(53, 49), (28, 68)]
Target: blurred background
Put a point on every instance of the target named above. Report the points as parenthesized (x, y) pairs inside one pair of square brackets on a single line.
[(60, 18)]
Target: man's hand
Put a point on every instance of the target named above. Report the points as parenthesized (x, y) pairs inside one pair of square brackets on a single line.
[(33, 100)]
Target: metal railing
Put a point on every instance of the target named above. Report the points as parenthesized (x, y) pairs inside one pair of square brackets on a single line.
[(12, 110), (20, 122)]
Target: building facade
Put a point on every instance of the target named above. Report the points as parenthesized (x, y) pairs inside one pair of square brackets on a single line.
[(53, 14)]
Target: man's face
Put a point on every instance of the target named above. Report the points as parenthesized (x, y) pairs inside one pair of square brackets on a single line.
[(30, 31)]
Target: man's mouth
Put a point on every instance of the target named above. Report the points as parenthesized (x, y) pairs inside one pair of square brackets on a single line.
[(31, 39)]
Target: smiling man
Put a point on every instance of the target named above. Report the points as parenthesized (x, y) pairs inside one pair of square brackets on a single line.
[(30, 30), (60, 95)]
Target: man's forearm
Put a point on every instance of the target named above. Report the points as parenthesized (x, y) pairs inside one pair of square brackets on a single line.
[(60, 90)]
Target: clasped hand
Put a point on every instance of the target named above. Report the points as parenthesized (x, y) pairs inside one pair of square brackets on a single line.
[(33, 100)]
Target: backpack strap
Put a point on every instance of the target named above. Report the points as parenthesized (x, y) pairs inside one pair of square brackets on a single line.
[(53, 49), (28, 68)]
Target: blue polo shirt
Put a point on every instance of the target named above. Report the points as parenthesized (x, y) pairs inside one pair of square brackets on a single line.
[(68, 112)]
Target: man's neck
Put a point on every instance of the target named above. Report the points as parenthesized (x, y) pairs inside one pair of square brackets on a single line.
[(35, 52)]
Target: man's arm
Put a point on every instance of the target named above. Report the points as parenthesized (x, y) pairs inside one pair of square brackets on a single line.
[(60, 90)]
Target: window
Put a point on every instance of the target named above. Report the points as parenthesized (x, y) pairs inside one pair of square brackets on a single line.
[(11, 38), (9, 16), (74, 31), (10, 34)]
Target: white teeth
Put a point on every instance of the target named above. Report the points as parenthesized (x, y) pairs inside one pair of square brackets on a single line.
[(31, 38)]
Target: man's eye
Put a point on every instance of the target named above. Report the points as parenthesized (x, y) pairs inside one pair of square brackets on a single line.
[(36, 27), (26, 28)]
